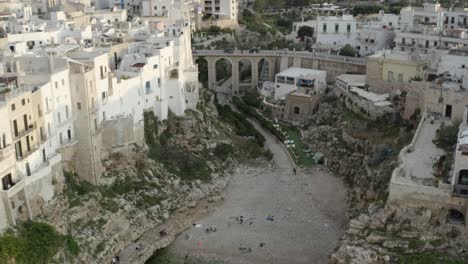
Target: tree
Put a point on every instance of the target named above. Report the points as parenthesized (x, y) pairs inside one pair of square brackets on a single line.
[(348, 51), (305, 31)]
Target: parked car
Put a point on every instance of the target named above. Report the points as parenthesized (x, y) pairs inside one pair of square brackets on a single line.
[(229, 50), (254, 50)]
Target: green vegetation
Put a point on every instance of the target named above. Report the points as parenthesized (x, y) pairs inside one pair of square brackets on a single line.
[(223, 151), (367, 9), (215, 30), (241, 126), (429, 258), (348, 51), (34, 242), (446, 139), (177, 160), (249, 149), (203, 71), (261, 5), (223, 69), (305, 31), (446, 136), (281, 23), (301, 153), (76, 189), (254, 22), (249, 111), (150, 127), (252, 99)]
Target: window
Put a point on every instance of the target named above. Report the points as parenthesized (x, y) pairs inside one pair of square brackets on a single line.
[(337, 27), (78, 106), (297, 110), (159, 82), (95, 124), (348, 28), (103, 95), (452, 20), (155, 66), (463, 66), (66, 111), (324, 28), (403, 41), (15, 127), (63, 82), (103, 115), (13, 107), (59, 117), (390, 76), (23, 101), (56, 85), (400, 77), (289, 80)]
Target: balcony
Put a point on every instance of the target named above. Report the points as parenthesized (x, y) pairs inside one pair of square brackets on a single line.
[(6, 152), (24, 132), (460, 190), (27, 153), (15, 187)]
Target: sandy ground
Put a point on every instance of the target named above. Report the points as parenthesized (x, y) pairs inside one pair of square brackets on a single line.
[(308, 212)]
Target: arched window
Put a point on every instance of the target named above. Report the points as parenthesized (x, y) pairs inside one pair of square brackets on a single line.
[(455, 217), (297, 110)]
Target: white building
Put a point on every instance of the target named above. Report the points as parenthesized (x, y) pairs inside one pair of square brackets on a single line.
[(293, 78), (431, 27), (377, 33), (330, 31)]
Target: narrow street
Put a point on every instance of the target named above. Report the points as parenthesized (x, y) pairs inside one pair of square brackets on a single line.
[(286, 218)]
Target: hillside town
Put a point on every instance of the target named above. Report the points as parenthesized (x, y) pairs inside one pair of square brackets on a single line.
[(144, 131)]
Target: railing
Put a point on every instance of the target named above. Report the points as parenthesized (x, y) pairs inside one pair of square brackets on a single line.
[(27, 153), (263, 53), (6, 152), (26, 131), (14, 93)]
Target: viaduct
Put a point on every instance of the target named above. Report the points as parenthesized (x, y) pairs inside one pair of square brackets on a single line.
[(277, 61)]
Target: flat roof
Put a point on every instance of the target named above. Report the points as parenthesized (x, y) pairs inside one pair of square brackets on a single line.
[(377, 99), (353, 79), (397, 55), (302, 73)]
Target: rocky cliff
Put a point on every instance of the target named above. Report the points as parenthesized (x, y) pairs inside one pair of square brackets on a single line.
[(186, 159)]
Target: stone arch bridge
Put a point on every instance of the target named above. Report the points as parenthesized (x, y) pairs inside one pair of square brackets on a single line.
[(277, 60)]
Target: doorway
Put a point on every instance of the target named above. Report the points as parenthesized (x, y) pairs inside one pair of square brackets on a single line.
[(448, 111)]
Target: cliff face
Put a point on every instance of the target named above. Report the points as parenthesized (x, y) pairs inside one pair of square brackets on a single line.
[(145, 185), (364, 153)]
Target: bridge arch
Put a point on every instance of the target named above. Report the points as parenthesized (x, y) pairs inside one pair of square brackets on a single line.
[(223, 69), (245, 75), (264, 70), (202, 64)]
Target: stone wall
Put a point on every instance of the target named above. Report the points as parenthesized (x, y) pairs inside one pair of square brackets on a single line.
[(222, 23)]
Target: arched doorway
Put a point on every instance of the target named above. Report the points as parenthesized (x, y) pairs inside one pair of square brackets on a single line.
[(245, 76), (202, 64), (263, 71)]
